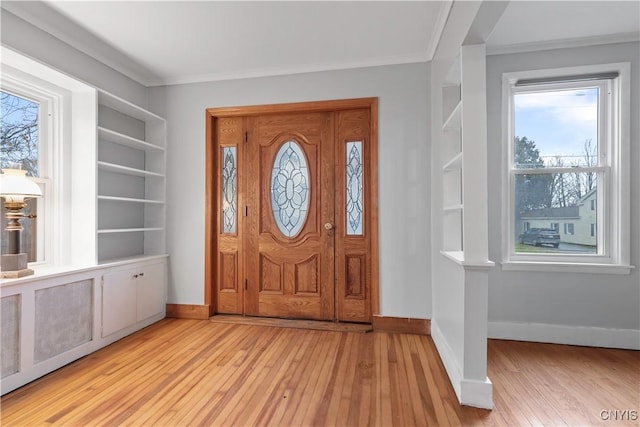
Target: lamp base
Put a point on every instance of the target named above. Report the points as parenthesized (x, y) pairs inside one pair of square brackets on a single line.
[(16, 273), (14, 266)]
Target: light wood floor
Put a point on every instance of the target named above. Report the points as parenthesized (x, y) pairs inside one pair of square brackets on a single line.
[(197, 372)]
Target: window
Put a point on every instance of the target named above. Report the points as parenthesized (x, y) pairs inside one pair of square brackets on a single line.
[(566, 132), (23, 128), (66, 151), (568, 229)]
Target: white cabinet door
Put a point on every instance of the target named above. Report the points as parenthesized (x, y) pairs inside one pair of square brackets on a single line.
[(118, 301), (150, 291)]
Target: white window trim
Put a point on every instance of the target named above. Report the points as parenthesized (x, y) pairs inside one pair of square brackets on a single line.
[(616, 257)]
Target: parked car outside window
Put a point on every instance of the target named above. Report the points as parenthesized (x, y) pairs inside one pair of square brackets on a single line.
[(541, 236)]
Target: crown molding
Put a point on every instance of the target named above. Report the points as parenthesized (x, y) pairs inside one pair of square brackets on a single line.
[(563, 43), (59, 26)]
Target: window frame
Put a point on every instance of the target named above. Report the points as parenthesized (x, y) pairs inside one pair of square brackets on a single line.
[(613, 165)]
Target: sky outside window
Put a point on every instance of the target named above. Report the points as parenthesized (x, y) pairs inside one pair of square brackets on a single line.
[(560, 122), (19, 129)]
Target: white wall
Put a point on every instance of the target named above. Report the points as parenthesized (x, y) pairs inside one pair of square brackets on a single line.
[(587, 309), (33, 42), (404, 171)]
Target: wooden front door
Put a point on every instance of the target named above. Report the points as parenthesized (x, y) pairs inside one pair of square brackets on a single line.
[(293, 214), (289, 252)]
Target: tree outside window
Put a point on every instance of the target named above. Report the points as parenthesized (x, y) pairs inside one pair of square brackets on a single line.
[(19, 149)]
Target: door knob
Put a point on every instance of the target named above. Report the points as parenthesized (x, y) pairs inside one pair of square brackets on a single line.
[(328, 226)]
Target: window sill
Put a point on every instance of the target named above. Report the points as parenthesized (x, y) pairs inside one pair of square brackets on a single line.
[(566, 267)]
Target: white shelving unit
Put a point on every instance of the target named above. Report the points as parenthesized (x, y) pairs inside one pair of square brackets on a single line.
[(463, 159), (452, 155), (131, 168)]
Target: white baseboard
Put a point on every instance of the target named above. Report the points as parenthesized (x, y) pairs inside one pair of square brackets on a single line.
[(448, 357), (477, 393), (469, 392), (628, 339)]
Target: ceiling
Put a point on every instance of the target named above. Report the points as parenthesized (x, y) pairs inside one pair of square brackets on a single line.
[(173, 42), (185, 41), (533, 25)]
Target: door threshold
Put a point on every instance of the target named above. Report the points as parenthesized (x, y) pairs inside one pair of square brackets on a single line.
[(319, 325)]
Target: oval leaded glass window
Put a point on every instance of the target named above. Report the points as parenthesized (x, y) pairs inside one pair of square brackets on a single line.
[(290, 189)]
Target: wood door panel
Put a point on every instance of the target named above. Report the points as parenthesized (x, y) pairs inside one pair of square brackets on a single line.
[(290, 308), (306, 276), (271, 276), (355, 276), (229, 272)]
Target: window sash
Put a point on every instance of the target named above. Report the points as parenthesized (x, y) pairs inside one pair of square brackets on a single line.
[(47, 215), (606, 129)]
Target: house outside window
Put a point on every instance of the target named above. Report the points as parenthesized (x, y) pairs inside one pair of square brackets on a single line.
[(566, 135)]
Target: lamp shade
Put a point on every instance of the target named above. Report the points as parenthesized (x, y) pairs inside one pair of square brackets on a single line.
[(14, 185)]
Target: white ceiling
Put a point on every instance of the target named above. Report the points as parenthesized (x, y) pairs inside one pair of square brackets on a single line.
[(172, 42), (529, 25), (184, 41)]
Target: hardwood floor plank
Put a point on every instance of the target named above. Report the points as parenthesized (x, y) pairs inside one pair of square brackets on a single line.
[(333, 394), (195, 396), (432, 389), (207, 393), (182, 372), (280, 398), (324, 347), (383, 388)]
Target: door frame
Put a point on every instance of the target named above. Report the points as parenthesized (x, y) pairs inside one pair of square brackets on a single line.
[(212, 180)]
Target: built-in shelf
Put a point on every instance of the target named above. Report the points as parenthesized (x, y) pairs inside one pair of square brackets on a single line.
[(127, 108), (126, 140), (129, 199), (455, 256), (455, 164), (452, 208), (463, 146), (128, 230), (454, 120), (453, 77), (112, 167), (131, 182), (459, 258)]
